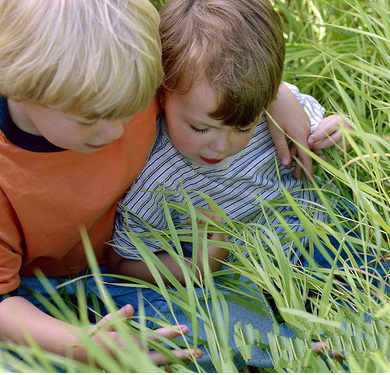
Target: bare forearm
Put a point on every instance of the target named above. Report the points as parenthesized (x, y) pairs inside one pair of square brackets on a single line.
[(215, 255), (20, 318), (139, 269)]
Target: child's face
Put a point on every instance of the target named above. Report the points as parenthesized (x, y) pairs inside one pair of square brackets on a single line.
[(69, 131), (195, 134)]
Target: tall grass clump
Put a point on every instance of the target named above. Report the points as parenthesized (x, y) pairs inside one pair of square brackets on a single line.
[(338, 52)]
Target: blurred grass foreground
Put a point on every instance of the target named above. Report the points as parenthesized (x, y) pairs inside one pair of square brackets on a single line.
[(338, 52)]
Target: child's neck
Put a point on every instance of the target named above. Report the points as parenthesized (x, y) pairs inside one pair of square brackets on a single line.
[(20, 117)]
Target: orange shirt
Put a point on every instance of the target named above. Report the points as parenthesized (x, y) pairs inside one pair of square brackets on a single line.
[(46, 196)]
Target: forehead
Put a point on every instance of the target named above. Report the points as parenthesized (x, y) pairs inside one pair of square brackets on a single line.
[(201, 98), (198, 103)]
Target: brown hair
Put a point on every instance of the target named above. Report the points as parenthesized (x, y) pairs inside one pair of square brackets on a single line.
[(236, 45)]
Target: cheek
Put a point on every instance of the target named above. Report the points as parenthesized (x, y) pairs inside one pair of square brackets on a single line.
[(68, 136), (240, 143), (183, 138), (184, 144)]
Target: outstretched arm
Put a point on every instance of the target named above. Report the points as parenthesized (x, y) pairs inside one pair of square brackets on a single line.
[(21, 319)]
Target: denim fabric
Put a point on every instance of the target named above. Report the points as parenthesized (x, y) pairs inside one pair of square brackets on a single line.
[(237, 314), (366, 261), (266, 324), (121, 294)]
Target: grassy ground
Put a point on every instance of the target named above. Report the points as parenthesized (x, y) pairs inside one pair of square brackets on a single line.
[(339, 53)]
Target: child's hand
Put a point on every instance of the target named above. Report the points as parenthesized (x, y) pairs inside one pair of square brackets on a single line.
[(158, 358), (329, 133), (299, 135), (291, 120)]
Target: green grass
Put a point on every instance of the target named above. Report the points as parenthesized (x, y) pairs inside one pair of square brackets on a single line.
[(339, 52)]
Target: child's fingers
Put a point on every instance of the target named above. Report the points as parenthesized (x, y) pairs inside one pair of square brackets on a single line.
[(336, 139), (329, 140), (205, 213), (200, 222), (306, 160), (320, 154), (126, 311), (281, 145), (170, 333), (215, 216), (186, 356), (284, 154), (216, 236), (297, 174), (320, 347), (331, 126), (210, 214), (293, 153)]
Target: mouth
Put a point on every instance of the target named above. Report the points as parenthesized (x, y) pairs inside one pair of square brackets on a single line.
[(95, 147), (211, 161)]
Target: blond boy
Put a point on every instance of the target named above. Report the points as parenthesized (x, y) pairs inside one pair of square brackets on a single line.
[(72, 75)]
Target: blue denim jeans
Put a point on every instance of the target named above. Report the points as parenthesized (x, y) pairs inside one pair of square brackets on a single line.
[(365, 261), (122, 295), (323, 256), (237, 312), (152, 300)]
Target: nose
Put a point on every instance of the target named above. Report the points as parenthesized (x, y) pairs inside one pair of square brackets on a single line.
[(110, 130), (220, 143)]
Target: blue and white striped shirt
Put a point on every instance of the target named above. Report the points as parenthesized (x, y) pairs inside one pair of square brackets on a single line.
[(238, 184)]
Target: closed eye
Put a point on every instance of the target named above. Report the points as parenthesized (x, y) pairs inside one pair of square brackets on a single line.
[(196, 130), (244, 131), (87, 123)]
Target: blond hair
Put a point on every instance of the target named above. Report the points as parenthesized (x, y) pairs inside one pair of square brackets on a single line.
[(236, 45), (93, 58)]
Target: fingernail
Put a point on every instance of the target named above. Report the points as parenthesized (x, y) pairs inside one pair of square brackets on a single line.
[(310, 141), (284, 161), (182, 327)]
